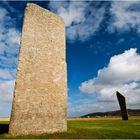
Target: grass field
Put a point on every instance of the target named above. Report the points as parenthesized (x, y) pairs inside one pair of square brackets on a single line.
[(100, 128)]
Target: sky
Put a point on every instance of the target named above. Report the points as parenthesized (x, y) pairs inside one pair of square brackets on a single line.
[(102, 52)]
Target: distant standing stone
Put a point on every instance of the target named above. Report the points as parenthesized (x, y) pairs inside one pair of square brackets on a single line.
[(39, 104), (122, 104)]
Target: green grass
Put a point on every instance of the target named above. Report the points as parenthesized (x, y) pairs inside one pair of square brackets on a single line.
[(97, 128)]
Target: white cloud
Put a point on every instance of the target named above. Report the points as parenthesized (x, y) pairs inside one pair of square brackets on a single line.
[(6, 74), (3, 14), (6, 90), (9, 46), (81, 19), (9, 35), (71, 12), (9, 61), (74, 13), (6, 96), (125, 16), (122, 74), (13, 36)]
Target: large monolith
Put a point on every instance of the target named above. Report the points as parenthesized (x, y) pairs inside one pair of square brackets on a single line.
[(122, 103), (39, 103)]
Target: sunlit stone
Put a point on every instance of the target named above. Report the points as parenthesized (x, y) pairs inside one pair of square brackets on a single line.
[(39, 104)]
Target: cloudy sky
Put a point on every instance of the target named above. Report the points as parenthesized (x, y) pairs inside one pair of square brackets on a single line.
[(103, 52)]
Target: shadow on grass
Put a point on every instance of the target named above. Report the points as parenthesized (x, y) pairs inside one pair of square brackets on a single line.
[(4, 128)]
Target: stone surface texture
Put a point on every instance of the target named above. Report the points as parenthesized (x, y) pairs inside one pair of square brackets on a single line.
[(122, 104), (39, 103)]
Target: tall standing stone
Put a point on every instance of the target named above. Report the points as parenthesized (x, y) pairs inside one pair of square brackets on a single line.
[(122, 104), (39, 104)]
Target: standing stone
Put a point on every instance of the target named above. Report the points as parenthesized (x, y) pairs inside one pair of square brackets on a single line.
[(122, 104), (39, 104)]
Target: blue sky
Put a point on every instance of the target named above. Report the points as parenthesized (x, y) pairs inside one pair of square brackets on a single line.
[(103, 46)]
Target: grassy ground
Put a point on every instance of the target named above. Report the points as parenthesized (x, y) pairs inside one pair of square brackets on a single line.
[(100, 128)]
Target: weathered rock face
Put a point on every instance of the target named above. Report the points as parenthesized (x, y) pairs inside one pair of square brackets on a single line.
[(39, 104), (122, 104)]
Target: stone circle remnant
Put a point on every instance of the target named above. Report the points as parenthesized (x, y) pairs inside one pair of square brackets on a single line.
[(122, 103), (40, 95)]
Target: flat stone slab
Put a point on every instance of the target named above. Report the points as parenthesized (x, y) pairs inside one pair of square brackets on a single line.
[(39, 103)]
